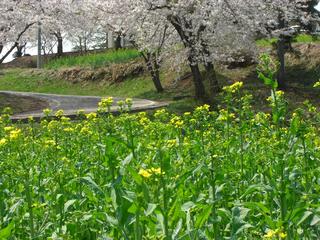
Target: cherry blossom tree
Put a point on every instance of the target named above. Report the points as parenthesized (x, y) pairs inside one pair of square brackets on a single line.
[(282, 19), (16, 19), (148, 32)]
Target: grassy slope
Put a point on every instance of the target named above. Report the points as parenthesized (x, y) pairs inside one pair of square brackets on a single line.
[(94, 60)]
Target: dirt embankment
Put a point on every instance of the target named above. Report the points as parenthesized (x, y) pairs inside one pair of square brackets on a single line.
[(114, 73)]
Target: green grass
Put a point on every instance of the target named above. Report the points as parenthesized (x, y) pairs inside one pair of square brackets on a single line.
[(301, 38), (266, 42), (306, 38), (26, 81), (95, 59)]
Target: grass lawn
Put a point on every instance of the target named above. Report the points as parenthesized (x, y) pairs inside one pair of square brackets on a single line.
[(94, 60), (301, 38)]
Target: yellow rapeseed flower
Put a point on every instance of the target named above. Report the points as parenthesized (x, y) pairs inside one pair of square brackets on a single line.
[(282, 235), (14, 134), (278, 233), (171, 143), (129, 102), (280, 93), (8, 129), (270, 234), (204, 107), (47, 111), (91, 116), (3, 141), (85, 131), (59, 113), (156, 170), (234, 87), (69, 129), (49, 143), (145, 173), (105, 102), (177, 122)]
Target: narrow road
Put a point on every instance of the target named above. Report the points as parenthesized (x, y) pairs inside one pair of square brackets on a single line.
[(71, 104)]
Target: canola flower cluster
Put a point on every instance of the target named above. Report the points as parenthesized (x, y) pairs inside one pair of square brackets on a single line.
[(147, 173), (228, 174), (233, 88), (275, 234)]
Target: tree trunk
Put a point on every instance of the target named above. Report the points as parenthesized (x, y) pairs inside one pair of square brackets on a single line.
[(212, 76), (60, 44), (8, 53), (156, 81), (281, 56), (85, 42), (153, 68), (19, 51), (118, 42), (80, 44), (200, 92), (1, 48)]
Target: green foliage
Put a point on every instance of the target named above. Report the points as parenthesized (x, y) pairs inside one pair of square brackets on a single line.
[(266, 42), (306, 38), (226, 174), (94, 59)]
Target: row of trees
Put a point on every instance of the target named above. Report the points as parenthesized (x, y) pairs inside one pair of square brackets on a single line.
[(196, 32)]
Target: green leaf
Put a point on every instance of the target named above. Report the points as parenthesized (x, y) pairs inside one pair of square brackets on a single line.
[(150, 209), (127, 160), (203, 217), (160, 219), (242, 228), (136, 177), (68, 204), (114, 198), (315, 220), (133, 208), (88, 180), (187, 206), (177, 229), (113, 221), (305, 216), (256, 188), (5, 233), (267, 81)]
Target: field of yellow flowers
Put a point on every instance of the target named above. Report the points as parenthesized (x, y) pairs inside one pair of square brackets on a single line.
[(230, 174)]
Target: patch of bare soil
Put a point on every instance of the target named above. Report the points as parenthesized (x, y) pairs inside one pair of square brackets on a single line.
[(20, 104)]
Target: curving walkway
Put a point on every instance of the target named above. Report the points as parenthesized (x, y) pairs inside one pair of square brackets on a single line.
[(71, 104)]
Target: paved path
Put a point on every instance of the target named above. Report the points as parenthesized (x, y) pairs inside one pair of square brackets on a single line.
[(71, 104)]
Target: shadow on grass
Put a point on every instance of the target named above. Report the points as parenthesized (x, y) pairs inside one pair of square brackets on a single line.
[(302, 76)]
